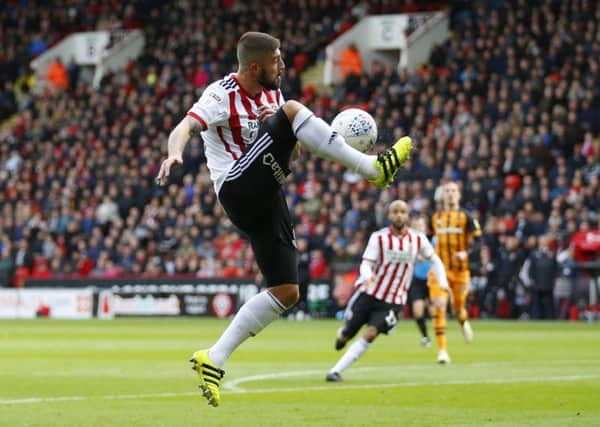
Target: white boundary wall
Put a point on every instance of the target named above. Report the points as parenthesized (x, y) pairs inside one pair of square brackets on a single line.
[(383, 38), (91, 49), (61, 303)]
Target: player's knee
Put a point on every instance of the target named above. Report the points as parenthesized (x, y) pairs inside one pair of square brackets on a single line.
[(431, 310), (291, 108), (370, 333), (292, 296), (440, 303), (287, 294), (417, 311)]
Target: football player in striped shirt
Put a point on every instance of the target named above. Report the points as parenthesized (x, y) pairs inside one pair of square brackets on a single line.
[(454, 230), (250, 134), (381, 290)]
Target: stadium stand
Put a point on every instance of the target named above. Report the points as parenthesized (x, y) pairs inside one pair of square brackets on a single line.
[(509, 107)]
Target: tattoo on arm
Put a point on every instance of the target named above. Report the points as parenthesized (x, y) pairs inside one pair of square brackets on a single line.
[(195, 128)]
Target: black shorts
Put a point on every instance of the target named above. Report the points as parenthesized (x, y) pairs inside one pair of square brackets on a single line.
[(366, 309), (255, 203), (418, 290)]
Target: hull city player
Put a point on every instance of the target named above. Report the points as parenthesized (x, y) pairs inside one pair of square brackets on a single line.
[(454, 230)]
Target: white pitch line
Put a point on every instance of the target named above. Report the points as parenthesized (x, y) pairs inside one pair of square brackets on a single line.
[(233, 384), (105, 397), (71, 373), (338, 386), (300, 389)]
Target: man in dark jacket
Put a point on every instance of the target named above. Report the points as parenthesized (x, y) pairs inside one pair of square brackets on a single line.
[(542, 272)]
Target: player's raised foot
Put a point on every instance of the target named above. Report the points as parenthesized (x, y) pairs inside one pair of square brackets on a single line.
[(443, 357), (426, 342), (467, 331), (389, 162), (333, 377), (210, 376)]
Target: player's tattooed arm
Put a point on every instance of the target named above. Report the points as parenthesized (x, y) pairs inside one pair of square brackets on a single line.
[(195, 128)]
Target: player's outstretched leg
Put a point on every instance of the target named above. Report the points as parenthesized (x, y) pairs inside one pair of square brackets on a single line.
[(319, 138)]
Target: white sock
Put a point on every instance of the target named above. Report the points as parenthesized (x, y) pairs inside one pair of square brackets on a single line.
[(258, 312), (351, 355), (316, 135)]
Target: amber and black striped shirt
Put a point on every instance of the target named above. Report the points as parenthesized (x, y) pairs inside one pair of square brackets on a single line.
[(453, 231)]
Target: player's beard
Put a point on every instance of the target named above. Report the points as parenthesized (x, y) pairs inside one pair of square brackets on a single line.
[(398, 226), (264, 81)]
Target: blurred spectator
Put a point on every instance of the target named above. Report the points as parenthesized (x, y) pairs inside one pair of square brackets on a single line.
[(489, 273), (303, 274), (57, 75), (107, 211), (541, 269), (351, 61), (73, 71)]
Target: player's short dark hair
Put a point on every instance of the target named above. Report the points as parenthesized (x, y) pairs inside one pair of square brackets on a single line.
[(253, 46)]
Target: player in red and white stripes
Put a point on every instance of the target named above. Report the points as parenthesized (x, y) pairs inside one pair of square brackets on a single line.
[(385, 275), (250, 136)]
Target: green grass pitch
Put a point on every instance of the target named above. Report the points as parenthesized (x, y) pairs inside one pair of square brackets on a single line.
[(135, 372)]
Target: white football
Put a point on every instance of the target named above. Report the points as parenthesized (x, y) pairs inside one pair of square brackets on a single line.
[(357, 127)]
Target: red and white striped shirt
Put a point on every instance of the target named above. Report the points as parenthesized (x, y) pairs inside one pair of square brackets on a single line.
[(393, 256), (229, 119)]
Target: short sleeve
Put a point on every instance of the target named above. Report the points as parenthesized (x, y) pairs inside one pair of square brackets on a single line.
[(372, 251), (211, 109), (426, 250)]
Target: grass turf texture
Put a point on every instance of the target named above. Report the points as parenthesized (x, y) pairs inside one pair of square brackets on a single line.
[(134, 372)]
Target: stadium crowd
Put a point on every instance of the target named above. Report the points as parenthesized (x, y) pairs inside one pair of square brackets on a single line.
[(508, 107)]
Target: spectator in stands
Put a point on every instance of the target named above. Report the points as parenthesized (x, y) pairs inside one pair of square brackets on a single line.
[(542, 270), (57, 75), (8, 101), (301, 308), (510, 257), (351, 67), (73, 72), (6, 263), (351, 61)]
